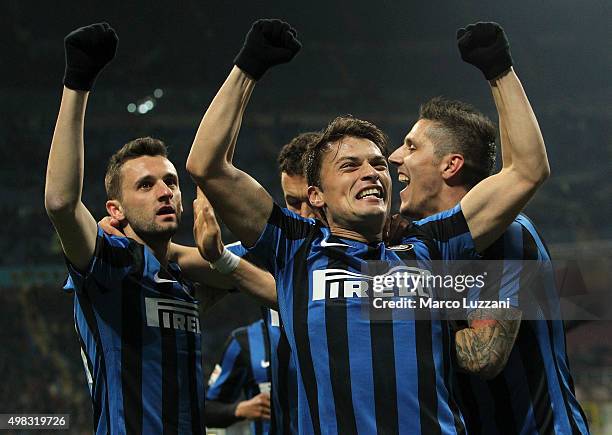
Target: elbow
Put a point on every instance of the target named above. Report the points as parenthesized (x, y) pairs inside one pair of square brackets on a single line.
[(59, 204), (545, 174), (485, 370), (539, 174), (194, 168), (202, 174)]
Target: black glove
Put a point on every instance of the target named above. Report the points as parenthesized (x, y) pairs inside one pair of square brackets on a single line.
[(268, 43), (485, 46), (88, 50)]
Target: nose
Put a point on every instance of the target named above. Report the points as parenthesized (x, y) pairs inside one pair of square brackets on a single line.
[(369, 172), (397, 157), (165, 192)]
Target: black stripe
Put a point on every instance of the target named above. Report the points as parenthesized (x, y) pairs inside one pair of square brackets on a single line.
[(468, 403), (131, 341), (92, 324), (196, 422), (336, 329), (503, 407), (445, 229), (529, 351), (301, 300), (428, 397), (170, 390), (284, 354), (267, 348), (384, 372), (383, 357), (258, 427)]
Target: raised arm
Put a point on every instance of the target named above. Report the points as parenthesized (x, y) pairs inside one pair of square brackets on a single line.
[(243, 204), (88, 50), (244, 276), (494, 203)]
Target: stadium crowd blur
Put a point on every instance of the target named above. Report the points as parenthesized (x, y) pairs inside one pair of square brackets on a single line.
[(373, 74)]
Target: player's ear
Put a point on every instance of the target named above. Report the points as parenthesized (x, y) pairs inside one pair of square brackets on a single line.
[(316, 197), (450, 165), (115, 210)]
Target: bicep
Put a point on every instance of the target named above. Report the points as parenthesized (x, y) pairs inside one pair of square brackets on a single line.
[(491, 206), (77, 231), (240, 201)]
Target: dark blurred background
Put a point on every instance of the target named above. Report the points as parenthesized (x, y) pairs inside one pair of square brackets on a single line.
[(375, 60)]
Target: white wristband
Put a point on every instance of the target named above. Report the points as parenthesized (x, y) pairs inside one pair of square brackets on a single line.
[(227, 263)]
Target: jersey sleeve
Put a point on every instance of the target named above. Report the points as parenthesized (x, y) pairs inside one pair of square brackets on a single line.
[(449, 231), (229, 377), (512, 267), (112, 260), (281, 238)]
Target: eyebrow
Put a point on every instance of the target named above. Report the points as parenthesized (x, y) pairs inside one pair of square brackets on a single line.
[(150, 177), (348, 158)]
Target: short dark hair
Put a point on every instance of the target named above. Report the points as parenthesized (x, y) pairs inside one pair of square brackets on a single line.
[(339, 128), (143, 146), (291, 154), (462, 130)]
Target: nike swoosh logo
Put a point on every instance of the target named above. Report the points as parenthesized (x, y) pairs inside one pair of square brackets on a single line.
[(265, 364), (159, 280), (407, 247), (326, 244)]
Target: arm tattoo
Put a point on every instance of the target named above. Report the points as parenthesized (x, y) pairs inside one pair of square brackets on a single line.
[(484, 350)]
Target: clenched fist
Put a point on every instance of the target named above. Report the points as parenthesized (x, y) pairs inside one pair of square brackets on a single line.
[(268, 43), (88, 50), (485, 46)]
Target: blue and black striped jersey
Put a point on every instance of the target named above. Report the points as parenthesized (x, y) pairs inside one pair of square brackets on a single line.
[(244, 369), (534, 394), (357, 375), (283, 394), (283, 376), (139, 329)]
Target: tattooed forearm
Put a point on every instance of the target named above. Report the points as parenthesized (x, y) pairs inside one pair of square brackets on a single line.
[(484, 347)]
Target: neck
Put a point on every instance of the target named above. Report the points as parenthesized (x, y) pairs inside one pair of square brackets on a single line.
[(159, 245), (445, 199), (366, 233), (448, 198)]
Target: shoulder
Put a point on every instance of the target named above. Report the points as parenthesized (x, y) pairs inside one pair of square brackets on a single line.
[(445, 224), (521, 240)]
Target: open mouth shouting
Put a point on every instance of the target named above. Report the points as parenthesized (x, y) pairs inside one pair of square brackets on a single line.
[(166, 210)]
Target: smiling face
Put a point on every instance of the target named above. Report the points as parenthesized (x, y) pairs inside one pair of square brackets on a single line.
[(150, 197), (355, 185), (420, 170)]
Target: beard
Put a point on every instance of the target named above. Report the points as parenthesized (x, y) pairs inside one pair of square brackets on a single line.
[(148, 229)]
